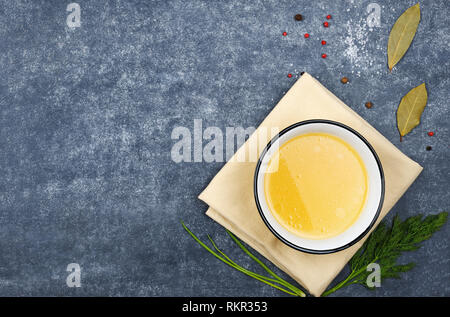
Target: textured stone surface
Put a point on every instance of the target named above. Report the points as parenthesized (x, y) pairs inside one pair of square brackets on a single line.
[(86, 116)]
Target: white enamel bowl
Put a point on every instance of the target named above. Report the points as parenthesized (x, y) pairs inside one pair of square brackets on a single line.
[(373, 204)]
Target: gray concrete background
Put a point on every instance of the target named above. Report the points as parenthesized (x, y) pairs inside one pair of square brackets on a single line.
[(86, 116)]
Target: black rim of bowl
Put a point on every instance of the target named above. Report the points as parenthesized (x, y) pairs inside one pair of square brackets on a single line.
[(258, 205)]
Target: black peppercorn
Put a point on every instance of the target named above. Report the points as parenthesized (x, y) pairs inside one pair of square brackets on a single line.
[(298, 17), (369, 105), (429, 148)]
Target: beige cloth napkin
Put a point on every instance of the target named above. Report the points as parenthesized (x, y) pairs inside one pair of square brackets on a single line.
[(230, 193)]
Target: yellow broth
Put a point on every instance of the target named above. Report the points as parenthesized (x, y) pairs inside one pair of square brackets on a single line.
[(316, 185)]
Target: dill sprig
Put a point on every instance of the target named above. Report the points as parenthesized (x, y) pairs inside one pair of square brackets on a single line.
[(274, 281), (384, 246)]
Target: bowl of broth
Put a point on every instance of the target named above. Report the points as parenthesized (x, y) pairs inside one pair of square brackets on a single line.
[(319, 186)]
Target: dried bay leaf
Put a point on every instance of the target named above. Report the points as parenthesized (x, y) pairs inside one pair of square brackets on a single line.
[(410, 109), (402, 34)]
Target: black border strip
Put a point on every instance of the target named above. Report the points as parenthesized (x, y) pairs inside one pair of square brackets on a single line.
[(255, 187), (268, 306)]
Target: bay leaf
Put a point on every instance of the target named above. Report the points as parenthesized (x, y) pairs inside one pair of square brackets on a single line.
[(410, 109), (402, 34)]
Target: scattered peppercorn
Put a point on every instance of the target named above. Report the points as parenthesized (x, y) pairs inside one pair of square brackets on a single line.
[(325, 24), (369, 105), (324, 42), (298, 17), (306, 35), (301, 74), (344, 80), (324, 55), (429, 148), (431, 133), (290, 75), (284, 33)]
